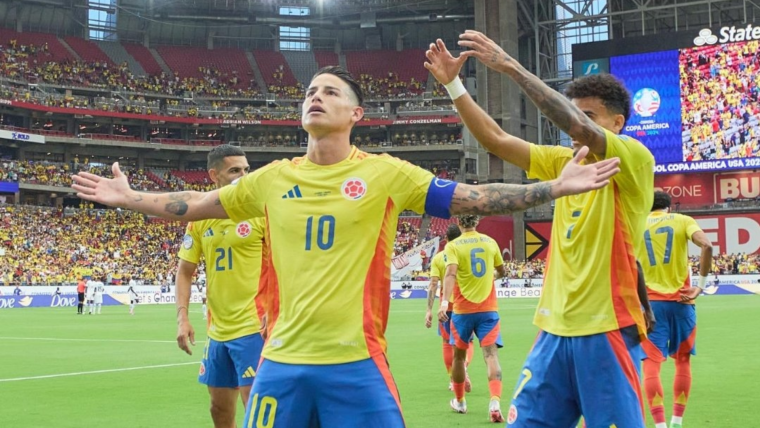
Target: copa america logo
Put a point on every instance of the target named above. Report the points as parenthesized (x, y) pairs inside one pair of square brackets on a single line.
[(646, 102)]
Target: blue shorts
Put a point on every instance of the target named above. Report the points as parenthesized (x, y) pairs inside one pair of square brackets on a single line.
[(232, 363), (485, 325), (675, 331), (358, 394), (595, 376)]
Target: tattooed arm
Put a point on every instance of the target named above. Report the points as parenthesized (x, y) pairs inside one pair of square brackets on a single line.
[(498, 198), (115, 192), (552, 104)]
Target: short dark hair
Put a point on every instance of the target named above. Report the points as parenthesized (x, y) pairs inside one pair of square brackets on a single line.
[(661, 200), (220, 152), (344, 76), (607, 88), (468, 220), (453, 232)]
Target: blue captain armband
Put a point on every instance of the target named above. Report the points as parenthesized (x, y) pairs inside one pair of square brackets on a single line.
[(439, 196)]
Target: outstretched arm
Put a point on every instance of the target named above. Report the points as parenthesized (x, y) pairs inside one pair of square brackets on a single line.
[(552, 104), (498, 198), (445, 68), (115, 192)]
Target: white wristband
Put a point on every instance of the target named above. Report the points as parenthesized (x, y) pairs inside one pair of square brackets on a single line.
[(455, 88), (444, 303), (701, 282)]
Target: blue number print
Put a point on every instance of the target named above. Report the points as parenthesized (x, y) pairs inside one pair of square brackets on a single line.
[(325, 232), (668, 245), (477, 265), (221, 255)]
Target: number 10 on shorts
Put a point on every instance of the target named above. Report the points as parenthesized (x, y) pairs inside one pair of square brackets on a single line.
[(264, 411)]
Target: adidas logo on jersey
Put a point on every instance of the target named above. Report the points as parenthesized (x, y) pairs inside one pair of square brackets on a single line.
[(209, 232), (249, 373), (295, 192)]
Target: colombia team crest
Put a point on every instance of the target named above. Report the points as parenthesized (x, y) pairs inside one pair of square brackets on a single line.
[(354, 188), (512, 415), (243, 229)]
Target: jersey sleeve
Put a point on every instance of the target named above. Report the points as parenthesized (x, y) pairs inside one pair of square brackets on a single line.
[(435, 267), (546, 162), (190, 250), (408, 184), (690, 226), (450, 256), (245, 199), (636, 177)]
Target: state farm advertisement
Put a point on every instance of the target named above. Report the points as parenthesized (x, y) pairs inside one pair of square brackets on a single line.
[(706, 189), (729, 233)]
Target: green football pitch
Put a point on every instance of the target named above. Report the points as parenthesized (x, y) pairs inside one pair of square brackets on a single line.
[(58, 369)]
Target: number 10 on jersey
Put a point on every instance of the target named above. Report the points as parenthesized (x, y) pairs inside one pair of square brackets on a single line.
[(325, 233)]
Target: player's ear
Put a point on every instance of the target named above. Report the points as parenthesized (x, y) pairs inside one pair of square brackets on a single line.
[(213, 174), (619, 123), (357, 114)]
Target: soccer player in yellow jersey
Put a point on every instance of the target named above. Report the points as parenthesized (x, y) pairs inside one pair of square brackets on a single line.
[(437, 271), (470, 263), (232, 253), (332, 218), (665, 259), (585, 359)]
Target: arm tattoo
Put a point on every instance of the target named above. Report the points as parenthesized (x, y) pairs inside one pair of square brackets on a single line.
[(493, 199), (431, 298), (179, 205), (218, 201), (137, 198), (558, 108)]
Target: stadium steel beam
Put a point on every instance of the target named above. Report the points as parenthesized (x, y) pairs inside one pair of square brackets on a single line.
[(500, 97), (559, 23)]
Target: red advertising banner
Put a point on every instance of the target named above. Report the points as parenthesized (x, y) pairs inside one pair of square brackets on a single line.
[(687, 189), (729, 234), (502, 230), (706, 189)]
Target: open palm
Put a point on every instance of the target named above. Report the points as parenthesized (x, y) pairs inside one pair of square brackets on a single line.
[(107, 191), (577, 178), (444, 67)]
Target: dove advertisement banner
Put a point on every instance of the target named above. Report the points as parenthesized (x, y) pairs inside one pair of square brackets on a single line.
[(42, 301)]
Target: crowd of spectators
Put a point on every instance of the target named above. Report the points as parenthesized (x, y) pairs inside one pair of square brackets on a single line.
[(32, 63), (407, 237), (389, 87), (56, 246), (730, 264), (720, 101)]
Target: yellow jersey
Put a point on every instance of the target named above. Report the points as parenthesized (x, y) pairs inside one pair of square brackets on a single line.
[(438, 270), (476, 256), (665, 256), (232, 253), (591, 275), (331, 232)]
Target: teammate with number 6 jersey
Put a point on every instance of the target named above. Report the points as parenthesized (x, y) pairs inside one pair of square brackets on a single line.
[(331, 222), (470, 262), (232, 252)]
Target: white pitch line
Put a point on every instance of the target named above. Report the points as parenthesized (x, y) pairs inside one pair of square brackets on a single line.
[(86, 340), (126, 369)]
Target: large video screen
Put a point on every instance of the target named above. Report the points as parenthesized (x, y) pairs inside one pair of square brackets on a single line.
[(697, 108)]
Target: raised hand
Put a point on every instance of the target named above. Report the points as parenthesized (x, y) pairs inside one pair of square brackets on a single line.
[(444, 67), (484, 49), (576, 178), (113, 192)]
